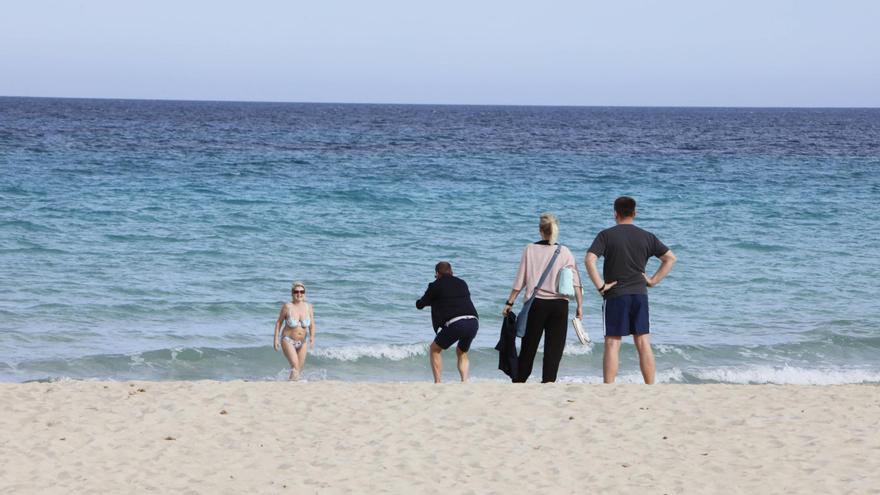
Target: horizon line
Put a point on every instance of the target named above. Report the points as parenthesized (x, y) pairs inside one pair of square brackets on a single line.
[(292, 102)]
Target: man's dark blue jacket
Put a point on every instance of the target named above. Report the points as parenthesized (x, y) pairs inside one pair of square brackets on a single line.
[(448, 297)]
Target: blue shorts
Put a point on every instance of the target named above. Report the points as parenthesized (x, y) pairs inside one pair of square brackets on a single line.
[(627, 315), (462, 331)]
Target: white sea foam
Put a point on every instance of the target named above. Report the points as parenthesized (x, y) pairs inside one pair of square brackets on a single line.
[(673, 375), (788, 375), (393, 352), (661, 349), (577, 349)]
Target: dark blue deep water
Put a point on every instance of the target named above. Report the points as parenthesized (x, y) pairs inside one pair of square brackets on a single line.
[(158, 239)]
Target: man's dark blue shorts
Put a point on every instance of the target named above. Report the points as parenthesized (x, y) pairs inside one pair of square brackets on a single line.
[(627, 315), (462, 331)]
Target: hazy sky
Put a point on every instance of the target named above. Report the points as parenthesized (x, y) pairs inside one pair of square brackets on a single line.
[(688, 52)]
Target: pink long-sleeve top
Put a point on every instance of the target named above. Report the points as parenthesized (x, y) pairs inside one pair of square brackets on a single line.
[(534, 260)]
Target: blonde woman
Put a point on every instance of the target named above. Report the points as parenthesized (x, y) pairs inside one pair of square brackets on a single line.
[(296, 321), (549, 311)]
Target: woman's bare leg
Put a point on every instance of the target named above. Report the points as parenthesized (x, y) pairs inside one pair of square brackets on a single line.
[(301, 355), (292, 358)]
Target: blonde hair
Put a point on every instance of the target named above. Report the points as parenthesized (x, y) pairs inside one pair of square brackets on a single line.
[(549, 226), (295, 285)]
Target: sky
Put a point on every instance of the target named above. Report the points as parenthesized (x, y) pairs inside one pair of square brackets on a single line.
[(779, 53)]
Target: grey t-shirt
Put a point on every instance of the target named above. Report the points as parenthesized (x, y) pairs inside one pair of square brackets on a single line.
[(626, 249)]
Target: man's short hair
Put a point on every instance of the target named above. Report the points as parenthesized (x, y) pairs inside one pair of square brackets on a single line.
[(443, 268), (625, 206)]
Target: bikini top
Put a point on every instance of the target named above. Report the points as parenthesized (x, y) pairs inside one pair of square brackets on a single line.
[(298, 323), (293, 323)]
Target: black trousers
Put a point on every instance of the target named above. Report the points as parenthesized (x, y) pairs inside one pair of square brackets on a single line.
[(550, 315)]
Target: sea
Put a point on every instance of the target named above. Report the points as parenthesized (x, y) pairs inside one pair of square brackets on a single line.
[(158, 240)]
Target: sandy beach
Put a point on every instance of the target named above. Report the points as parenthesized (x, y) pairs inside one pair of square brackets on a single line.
[(331, 437)]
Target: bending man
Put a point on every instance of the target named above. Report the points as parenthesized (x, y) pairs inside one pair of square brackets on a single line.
[(453, 317)]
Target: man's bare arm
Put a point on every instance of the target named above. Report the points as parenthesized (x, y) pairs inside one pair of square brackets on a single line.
[(666, 263), (590, 262)]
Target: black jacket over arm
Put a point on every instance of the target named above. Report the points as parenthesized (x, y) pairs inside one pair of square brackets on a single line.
[(508, 362), (448, 297)]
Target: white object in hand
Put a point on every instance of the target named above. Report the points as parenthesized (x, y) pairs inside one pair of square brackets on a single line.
[(582, 334)]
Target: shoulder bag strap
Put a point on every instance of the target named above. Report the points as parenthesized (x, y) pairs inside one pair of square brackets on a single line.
[(547, 270)]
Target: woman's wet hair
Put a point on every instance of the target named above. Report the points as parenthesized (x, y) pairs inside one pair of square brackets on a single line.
[(549, 226), (443, 268), (625, 206)]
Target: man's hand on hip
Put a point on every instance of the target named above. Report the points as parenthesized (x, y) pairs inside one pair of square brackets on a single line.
[(606, 287)]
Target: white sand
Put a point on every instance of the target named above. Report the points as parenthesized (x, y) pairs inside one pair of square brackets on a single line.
[(326, 437)]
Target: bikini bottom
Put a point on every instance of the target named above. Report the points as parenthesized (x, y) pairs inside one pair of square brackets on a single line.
[(296, 343)]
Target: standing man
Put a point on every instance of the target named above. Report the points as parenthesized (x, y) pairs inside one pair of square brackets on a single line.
[(624, 285), (453, 316)]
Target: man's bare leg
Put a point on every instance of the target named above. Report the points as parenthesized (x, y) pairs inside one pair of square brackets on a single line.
[(646, 357), (436, 362), (611, 359), (464, 364)]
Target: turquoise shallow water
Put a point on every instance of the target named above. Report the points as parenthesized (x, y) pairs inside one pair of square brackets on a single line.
[(157, 240)]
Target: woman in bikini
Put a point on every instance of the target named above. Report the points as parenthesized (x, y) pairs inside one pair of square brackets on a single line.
[(297, 318)]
